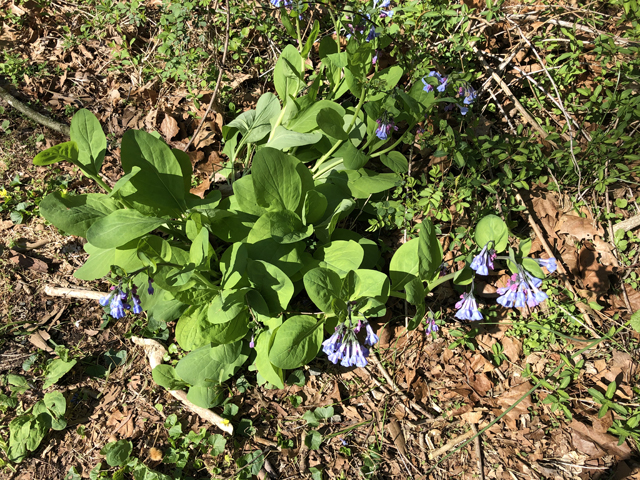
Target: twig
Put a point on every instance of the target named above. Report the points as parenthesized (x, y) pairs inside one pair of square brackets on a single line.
[(474, 429), (72, 293), (32, 114), (218, 81), (628, 224), (507, 91), (155, 352), (374, 359), (449, 445), (561, 269)]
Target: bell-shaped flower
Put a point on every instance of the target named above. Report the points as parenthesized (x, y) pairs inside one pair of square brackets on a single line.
[(468, 308)]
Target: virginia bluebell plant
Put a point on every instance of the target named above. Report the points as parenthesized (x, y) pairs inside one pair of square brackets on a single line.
[(469, 95), (431, 326), (120, 296), (443, 82), (522, 289), (468, 307), (281, 3)]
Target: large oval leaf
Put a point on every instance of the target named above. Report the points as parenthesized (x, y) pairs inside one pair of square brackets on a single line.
[(74, 214), (120, 227), (297, 342), (208, 366), (87, 132)]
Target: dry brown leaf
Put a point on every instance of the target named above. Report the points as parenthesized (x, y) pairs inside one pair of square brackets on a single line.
[(5, 225), (169, 127), (596, 444), (31, 263), (512, 395), (512, 348), (595, 277), (605, 254), (397, 436), (472, 417), (481, 384), (39, 339), (578, 227)]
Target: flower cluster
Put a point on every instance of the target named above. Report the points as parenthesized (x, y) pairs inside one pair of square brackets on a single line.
[(483, 262), (343, 346), (441, 79), (385, 126), (383, 4), (118, 300), (522, 289), (469, 95), (549, 263), (281, 3), (468, 308), (431, 326)]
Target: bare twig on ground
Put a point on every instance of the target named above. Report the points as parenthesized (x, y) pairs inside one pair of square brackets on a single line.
[(32, 114), (478, 447), (218, 81), (374, 359), (628, 224), (561, 269), (449, 445), (72, 293), (155, 352)]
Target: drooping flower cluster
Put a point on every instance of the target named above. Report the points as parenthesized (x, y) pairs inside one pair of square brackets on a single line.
[(431, 326), (522, 289), (385, 126), (281, 3), (469, 95), (468, 308), (343, 346), (549, 263), (483, 262), (119, 297), (441, 79), (383, 4)]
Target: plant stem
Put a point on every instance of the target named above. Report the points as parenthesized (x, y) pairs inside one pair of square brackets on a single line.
[(100, 182), (299, 34), (327, 168), (397, 142), (278, 122), (337, 145)]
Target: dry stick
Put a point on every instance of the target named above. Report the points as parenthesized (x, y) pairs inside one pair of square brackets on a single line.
[(72, 293), (478, 446), (374, 359), (218, 81), (507, 91), (561, 269), (628, 224), (155, 352), (449, 445), (32, 114)]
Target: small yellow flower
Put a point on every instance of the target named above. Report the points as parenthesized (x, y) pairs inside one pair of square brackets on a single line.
[(4, 193)]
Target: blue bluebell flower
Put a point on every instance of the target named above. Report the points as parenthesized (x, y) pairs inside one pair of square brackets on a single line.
[(372, 338), (483, 262), (137, 308), (104, 301), (252, 343), (281, 3), (372, 34), (150, 289), (441, 79), (549, 263), (469, 94), (385, 126), (463, 110), (468, 308), (521, 289), (116, 306), (431, 326), (343, 346)]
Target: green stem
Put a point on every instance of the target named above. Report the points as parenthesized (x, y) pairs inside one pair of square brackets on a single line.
[(529, 392), (441, 280), (322, 159), (336, 26), (277, 124), (397, 142), (299, 34), (326, 169), (100, 182)]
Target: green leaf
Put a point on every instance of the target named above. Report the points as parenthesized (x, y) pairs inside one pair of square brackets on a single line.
[(87, 132), (121, 227), (387, 79), (313, 440), (533, 267), (166, 376), (272, 283), (635, 321), (283, 139), (297, 342), (353, 158), (370, 284), (330, 122), (74, 214), (256, 124), (208, 366), (429, 251), (287, 74), (415, 296), (56, 369), (323, 288), (492, 229), (253, 462), (122, 181), (306, 119), (311, 39), (55, 403), (200, 251), (159, 186), (328, 226), (233, 265), (226, 306), (340, 256), (117, 453), (245, 195), (98, 264), (275, 179), (207, 397), (268, 370), (370, 182), (67, 151), (288, 257), (396, 161), (404, 266), (315, 205), (283, 227)]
